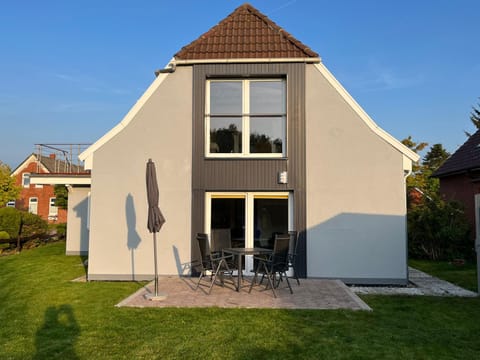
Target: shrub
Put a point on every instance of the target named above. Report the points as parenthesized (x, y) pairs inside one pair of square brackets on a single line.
[(10, 220), (22, 226), (439, 230), (33, 226), (4, 237), (61, 230)]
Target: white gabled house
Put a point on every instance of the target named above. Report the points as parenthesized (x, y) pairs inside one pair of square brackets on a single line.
[(249, 131)]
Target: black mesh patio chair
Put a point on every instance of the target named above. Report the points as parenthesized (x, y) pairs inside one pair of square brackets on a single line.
[(222, 239), (276, 263), (212, 264)]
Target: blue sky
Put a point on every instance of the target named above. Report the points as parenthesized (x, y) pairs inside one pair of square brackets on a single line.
[(70, 70)]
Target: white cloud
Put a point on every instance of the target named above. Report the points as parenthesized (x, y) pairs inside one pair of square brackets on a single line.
[(380, 78), (288, 3), (91, 85)]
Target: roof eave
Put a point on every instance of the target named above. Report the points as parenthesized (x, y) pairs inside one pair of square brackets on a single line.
[(60, 179), (310, 60)]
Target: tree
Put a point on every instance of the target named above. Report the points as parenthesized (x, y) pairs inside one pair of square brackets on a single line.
[(61, 196), (474, 118), (8, 190), (435, 157), (417, 180), (437, 229), (416, 148)]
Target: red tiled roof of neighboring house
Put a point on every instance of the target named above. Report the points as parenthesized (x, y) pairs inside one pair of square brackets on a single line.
[(245, 34), (54, 165), (467, 157), (59, 166)]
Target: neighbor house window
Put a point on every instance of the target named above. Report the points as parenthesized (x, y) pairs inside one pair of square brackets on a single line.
[(246, 118), (33, 205), (52, 209), (11, 203), (26, 180)]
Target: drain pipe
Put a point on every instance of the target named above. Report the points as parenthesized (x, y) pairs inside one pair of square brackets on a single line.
[(478, 264), (406, 173)]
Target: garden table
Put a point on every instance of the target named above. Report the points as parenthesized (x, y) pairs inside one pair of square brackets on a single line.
[(241, 252)]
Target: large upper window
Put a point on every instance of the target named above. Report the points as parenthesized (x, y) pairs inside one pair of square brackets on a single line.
[(246, 118)]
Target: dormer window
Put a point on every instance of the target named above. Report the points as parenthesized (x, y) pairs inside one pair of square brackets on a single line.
[(245, 118)]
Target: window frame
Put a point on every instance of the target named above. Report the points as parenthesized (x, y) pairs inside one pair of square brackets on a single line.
[(245, 117), (25, 176), (33, 200), (51, 206)]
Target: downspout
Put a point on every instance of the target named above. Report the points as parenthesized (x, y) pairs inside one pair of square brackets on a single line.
[(407, 171)]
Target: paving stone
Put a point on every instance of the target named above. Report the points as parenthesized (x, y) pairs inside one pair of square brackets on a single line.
[(311, 294)]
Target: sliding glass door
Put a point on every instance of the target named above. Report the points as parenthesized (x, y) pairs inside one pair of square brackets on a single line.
[(249, 219)]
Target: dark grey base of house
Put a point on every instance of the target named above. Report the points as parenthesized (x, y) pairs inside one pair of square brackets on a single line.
[(368, 281), (348, 281), (73, 253)]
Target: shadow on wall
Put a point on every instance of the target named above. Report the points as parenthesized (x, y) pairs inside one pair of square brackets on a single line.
[(58, 334), (133, 239), (182, 268), (359, 246)]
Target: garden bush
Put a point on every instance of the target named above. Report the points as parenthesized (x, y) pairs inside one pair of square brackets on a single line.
[(4, 237), (33, 226), (22, 226), (10, 220), (439, 230), (61, 230)]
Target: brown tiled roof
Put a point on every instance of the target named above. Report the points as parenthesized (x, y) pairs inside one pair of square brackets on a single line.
[(245, 34), (467, 157), (57, 166)]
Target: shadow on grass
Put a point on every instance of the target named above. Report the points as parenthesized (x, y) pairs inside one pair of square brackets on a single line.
[(58, 333)]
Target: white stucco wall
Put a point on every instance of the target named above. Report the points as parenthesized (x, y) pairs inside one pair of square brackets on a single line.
[(120, 245), (356, 226), (77, 231)]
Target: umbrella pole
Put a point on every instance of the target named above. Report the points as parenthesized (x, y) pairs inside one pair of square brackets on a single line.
[(155, 260)]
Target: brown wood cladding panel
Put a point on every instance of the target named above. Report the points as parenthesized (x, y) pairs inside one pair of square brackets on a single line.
[(249, 173), (198, 202), (243, 175), (252, 174)]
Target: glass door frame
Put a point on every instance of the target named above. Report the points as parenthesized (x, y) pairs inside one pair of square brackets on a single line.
[(249, 197)]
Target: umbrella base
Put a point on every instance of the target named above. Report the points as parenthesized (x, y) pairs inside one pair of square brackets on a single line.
[(152, 297)]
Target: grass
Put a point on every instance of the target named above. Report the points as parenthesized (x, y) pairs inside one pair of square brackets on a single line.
[(461, 275), (43, 315)]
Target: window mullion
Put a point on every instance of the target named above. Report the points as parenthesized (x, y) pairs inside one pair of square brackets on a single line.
[(246, 117), (207, 118)]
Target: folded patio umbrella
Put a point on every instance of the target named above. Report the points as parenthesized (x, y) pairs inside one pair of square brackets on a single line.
[(155, 216)]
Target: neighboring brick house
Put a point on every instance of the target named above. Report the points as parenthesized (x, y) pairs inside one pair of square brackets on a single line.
[(39, 199), (460, 178)]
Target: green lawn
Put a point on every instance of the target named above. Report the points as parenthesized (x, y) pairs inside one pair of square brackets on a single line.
[(461, 275), (43, 315)]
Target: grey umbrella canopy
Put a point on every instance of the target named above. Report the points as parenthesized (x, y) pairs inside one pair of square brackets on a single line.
[(155, 216)]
